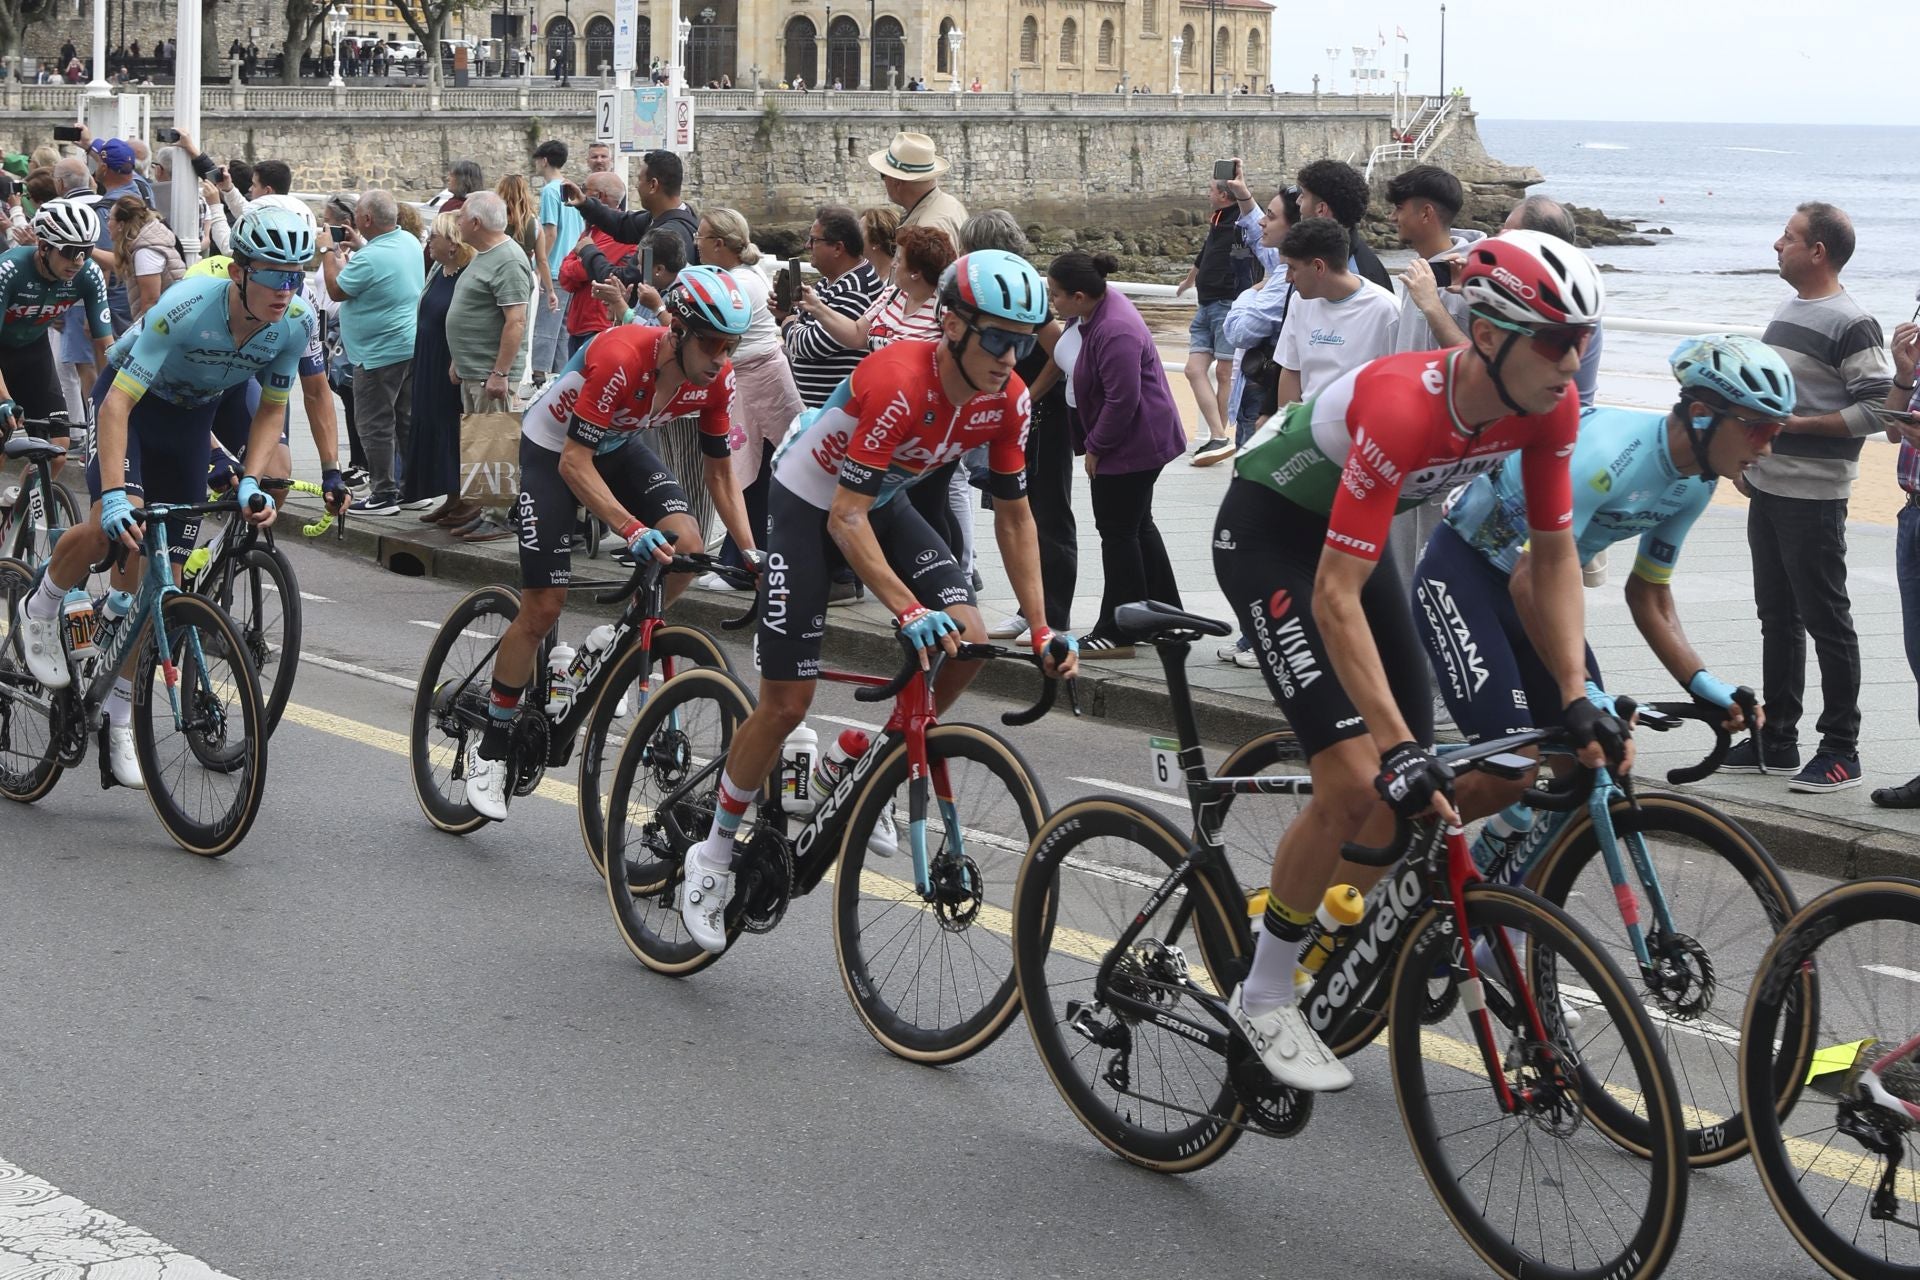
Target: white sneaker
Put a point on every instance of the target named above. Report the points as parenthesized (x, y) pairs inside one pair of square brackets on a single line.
[(704, 894), (486, 784), (1228, 652), (713, 582), (1011, 627), (1289, 1048), (124, 760), (40, 641), (885, 840)]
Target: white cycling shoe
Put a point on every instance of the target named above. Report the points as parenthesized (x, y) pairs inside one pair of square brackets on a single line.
[(884, 841), (122, 758), (704, 894), (486, 784), (40, 641), (1289, 1048)]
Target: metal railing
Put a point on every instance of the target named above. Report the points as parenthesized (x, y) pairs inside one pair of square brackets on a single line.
[(1441, 109)]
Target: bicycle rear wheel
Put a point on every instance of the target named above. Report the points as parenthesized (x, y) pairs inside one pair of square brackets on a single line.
[(1842, 1169), (450, 705), (1726, 898), (258, 590), (206, 768), (1151, 1095), (931, 974), (28, 760), (1536, 1189), (622, 697)]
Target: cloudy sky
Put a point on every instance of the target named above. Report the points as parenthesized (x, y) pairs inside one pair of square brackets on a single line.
[(1757, 61)]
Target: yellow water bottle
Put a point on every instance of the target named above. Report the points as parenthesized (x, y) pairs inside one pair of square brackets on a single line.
[(1339, 911)]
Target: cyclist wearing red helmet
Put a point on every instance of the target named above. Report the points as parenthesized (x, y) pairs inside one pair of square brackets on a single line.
[(1297, 549)]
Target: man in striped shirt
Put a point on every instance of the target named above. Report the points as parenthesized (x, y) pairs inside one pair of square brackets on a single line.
[(849, 287), (1797, 519)]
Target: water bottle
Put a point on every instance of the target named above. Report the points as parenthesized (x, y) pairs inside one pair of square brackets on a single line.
[(1339, 911), (840, 757), (80, 622), (113, 609), (1502, 832), (797, 755), (592, 650), (560, 684)]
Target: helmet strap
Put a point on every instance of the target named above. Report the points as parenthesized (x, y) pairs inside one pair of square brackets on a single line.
[(958, 350), (246, 279), (1494, 364), (1701, 437)]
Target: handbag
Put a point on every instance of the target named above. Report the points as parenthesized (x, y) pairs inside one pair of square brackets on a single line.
[(490, 458)]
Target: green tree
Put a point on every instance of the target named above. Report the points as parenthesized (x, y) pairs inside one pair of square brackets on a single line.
[(15, 17), (305, 18), (428, 20)]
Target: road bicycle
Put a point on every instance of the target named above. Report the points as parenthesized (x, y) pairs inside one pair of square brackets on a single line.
[(198, 719), (921, 940), (614, 675), (1841, 1162), (42, 508), (1130, 935), (1675, 891)]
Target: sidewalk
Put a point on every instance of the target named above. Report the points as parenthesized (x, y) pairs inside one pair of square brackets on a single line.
[(1841, 834)]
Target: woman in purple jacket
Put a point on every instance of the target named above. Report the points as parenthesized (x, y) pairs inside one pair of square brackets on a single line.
[(1127, 426)]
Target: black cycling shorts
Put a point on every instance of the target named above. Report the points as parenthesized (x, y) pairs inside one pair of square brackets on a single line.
[(801, 561), (1493, 680), (233, 417), (1266, 551), (544, 513), (168, 446), (34, 384)]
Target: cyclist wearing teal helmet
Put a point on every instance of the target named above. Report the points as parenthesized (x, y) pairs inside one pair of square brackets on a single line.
[(997, 284)]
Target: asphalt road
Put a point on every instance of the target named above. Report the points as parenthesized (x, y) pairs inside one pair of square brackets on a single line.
[(357, 1047)]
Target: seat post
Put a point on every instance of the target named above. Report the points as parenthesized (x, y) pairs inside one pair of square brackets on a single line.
[(1173, 659)]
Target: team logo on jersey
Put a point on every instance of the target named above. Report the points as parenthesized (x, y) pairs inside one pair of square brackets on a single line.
[(1280, 604), (1459, 651), (1603, 481)]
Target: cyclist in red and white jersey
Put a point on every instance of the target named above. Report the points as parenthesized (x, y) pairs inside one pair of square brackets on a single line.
[(1297, 549)]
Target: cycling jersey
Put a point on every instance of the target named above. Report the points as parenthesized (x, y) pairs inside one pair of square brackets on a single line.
[(1386, 437), (890, 424), (1625, 485), (183, 350), (30, 303), (604, 397)]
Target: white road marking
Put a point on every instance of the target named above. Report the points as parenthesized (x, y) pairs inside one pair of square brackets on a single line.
[(1139, 793), (851, 724), (46, 1232), (435, 626), (348, 668), (308, 595), (1892, 971)]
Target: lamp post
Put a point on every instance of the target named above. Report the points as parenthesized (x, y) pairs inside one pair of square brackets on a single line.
[(1333, 70), (1178, 44), (1443, 51), (953, 59), (566, 51), (336, 31), (684, 32)]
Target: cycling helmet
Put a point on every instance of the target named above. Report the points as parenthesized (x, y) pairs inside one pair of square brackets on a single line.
[(275, 238), (67, 224), (994, 282), (1744, 372), (706, 300), (213, 266), (1531, 278)]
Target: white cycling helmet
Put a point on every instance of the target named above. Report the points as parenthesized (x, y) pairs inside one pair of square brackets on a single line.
[(292, 204), (67, 224)]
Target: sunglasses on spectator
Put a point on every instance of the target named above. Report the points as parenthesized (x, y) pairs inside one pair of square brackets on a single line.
[(1550, 341), (278, 281), (997, 342)]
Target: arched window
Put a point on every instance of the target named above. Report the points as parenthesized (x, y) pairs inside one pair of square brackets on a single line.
[(1256, 59), (1222, 57), (843, 53), (803, 51), (1189, 47), (643, 45), (560, 47), (1069, 42), (710, 47), (1029, 40), (1150, 16), (942, 56), (599, 44), (889, 50)]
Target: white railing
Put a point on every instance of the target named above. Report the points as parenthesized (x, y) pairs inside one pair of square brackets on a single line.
[(1416, 149)]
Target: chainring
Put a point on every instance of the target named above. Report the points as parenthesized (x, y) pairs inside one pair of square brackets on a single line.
[(763, 887), (1274, 1107), (68, 729), (529, 752)]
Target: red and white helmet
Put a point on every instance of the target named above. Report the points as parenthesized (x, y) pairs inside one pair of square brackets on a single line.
[(1531, 278)]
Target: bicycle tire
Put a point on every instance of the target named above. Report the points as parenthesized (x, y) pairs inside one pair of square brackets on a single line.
[(243, 579), (963, 905), (1039, 921), (1826, 922), (1693, 1040), (28, 770), (443, 799), (34, 544), (1646, 1249), (624, 680), (186, 615), (643, 891)]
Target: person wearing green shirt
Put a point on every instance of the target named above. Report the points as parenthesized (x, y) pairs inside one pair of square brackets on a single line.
[(487, 319), (378, 289)]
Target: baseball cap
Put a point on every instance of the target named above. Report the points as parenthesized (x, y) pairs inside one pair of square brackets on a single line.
[(114, 153)]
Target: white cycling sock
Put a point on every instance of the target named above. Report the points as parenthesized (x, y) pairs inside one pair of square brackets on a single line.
[(45, 602), (120, 703), (730, 808), (1270, 984)]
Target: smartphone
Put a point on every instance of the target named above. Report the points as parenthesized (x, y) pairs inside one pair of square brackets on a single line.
[(66, 133), (6, 187), (1226, 170), (339, 233), (568, 191), (1894, 417), (646, 264), (169, 135), (1443, 272), (786, 286)]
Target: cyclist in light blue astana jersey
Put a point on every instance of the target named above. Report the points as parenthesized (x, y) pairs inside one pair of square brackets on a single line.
[(1635, 475)]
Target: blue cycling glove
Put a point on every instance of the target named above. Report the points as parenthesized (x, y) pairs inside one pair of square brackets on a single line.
[(923, 627), (117, 514), (9, 412), (642, 542), (249, 490), (1711, 688), (222, 469), (1601, 698)]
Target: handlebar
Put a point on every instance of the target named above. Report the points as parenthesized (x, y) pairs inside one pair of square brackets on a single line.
[(1667, 716), (163, 512), (647, 570), (968, 652)]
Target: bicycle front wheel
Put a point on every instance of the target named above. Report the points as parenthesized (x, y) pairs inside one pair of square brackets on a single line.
[(204, 763), (622, 697), (1531, 1184), (1152, 1095), (929, 966), (1726, 899), (28, 760), (258, 590), (40, 516), (1841, 1166), (450, 705)]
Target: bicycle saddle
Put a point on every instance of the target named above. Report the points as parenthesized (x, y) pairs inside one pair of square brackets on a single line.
[(29, 447), (1146, 621)]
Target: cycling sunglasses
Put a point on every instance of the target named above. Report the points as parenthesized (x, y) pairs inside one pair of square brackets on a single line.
[(997, 342), (1760, 431), (278, 281), (716, 348), (72, 253), (1551, 341)]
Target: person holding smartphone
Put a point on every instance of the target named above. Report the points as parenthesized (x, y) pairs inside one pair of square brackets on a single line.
[(1903, 428)]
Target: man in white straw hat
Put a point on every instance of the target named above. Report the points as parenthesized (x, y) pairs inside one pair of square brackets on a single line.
[(911, 169)]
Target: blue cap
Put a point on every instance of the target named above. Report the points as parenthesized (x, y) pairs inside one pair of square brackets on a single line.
[(114, 153)]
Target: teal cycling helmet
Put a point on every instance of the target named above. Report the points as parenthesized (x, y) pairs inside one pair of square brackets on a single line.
[(1744, 372), (993, 282), (706, 301), (274, 238)]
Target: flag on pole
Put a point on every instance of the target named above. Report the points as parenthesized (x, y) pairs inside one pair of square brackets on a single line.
[(1400, 32), (1383, 36)]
